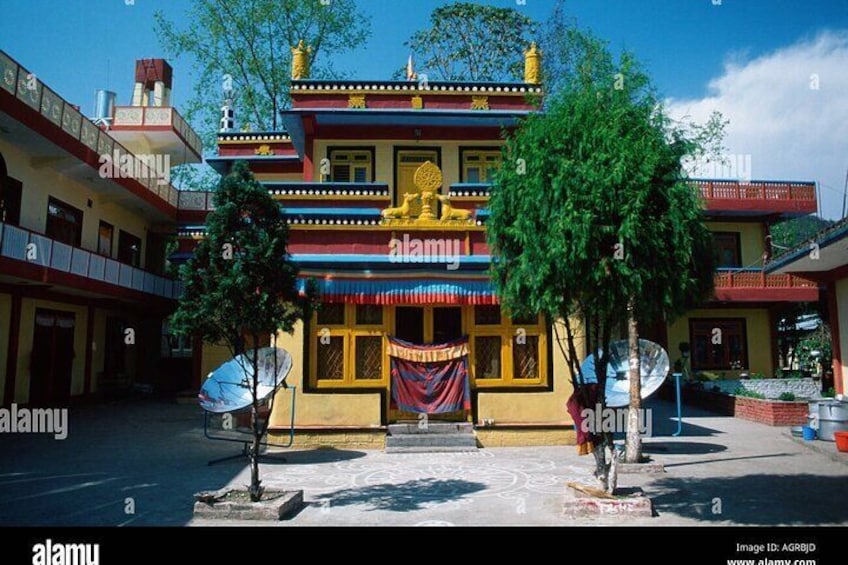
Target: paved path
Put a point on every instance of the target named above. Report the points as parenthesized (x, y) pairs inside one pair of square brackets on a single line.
[(138, 463)]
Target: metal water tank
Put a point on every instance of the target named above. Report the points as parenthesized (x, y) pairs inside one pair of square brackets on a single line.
[(104, 104), (833, 417)]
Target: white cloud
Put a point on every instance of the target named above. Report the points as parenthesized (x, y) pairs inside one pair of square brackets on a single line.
[(791, 129)]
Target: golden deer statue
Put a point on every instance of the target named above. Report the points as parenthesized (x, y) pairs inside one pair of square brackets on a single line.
[(451, 213), (401, 211)]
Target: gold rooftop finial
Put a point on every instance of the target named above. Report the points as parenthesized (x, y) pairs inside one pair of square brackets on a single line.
[(532, 65), (300, 61)]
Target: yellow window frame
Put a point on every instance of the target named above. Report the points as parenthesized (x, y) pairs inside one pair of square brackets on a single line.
[(349, 331), (351, 162), (509, 332), (483, 164)]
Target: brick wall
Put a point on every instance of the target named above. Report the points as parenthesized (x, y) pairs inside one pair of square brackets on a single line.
[(771, 412)]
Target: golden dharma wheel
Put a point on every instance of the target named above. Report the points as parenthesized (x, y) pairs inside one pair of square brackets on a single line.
[(428, 177)]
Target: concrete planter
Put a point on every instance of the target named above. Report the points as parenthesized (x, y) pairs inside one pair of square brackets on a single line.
[(771, 412), (232, 504)]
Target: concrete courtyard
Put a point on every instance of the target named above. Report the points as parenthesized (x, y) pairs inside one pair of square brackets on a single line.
[(138, 463)]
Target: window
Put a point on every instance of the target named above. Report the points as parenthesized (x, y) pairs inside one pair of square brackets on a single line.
[(175, 345), (347, 165), (505, 351), (129, 249), (10, 202), (720, 344), (105, 234), (349, 346), (727, 250), (480, 166), (64, 222)]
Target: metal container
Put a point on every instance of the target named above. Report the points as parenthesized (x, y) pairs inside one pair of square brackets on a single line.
[(104, 104), (833, 417)]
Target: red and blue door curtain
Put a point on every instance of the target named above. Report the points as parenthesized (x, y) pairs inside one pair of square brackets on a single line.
[(430, 379)]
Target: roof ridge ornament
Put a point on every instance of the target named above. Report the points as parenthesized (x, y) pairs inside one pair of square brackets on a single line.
[(300, 61), (532, 65)]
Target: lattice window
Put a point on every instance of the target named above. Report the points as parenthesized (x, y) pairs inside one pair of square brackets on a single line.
[(487, 357), (525, 357), (508, 351), (349, 348), (330, 355), (369, 357)]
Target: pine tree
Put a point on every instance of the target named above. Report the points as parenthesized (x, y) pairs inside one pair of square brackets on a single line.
[(240, 286), (593, 222)]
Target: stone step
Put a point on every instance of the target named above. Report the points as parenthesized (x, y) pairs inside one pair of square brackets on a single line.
[(432, 440), (442, 449), (432, 427)]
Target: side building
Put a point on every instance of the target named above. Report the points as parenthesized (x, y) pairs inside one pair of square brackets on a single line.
[(736, 332), (87, 211)]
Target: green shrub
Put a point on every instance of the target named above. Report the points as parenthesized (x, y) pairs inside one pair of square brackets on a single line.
[(742, 391), (786, 396), (831, 393)]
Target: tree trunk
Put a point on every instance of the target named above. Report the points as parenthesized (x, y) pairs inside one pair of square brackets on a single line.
[(633, 449), (255, 489)]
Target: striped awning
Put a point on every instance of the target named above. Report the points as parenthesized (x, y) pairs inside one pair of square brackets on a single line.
[(405, 291)]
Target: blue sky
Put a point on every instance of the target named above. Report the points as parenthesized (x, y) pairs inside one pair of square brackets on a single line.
[(77, 46), (702, 54)]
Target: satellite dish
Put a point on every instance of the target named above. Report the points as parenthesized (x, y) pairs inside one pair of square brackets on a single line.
[(654, 367), (228, 387)]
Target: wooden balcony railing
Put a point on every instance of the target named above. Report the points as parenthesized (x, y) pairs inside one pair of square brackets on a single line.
[(804, 192), (760, 280)]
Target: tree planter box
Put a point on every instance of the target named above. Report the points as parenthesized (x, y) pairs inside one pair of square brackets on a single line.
[(228, 504), (771, 412)]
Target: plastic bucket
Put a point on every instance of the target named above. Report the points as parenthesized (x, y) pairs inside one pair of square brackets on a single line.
[(841, 441), (808, 433)]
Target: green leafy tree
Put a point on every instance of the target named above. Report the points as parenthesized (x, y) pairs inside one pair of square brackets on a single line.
[(239, 285), (246, 46), (475, 42), (593, 218), (790, 233)]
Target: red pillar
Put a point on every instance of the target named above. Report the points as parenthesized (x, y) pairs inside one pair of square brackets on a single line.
[(833, 316)]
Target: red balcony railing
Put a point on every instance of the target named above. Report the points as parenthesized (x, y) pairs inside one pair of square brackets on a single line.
[(760, 280), (758, 196)]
